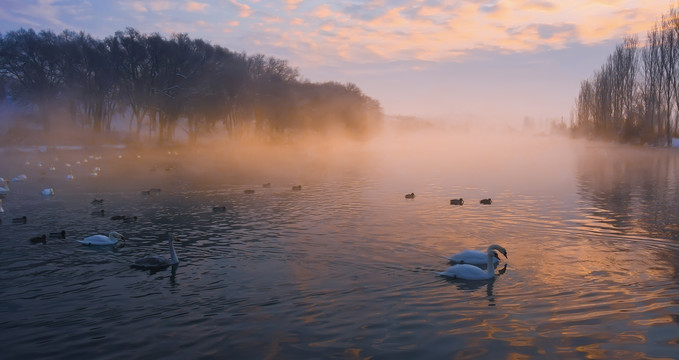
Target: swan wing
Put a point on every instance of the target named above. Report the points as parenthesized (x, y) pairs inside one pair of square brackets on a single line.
[(466, 272), (150, 262), (474, 257), (98, 240)]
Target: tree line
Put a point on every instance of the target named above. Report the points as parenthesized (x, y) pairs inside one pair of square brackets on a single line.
[(162, 83), (634, 97)]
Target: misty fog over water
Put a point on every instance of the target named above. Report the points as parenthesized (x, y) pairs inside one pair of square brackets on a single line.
[(347, 266)]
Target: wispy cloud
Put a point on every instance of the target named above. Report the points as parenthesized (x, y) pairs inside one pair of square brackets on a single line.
[(373, 30), (194, 6), (244, 10)]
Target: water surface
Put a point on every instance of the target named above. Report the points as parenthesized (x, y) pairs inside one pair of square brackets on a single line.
[(346, 267)]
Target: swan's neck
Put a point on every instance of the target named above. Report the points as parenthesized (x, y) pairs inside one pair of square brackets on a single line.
[(173, 254), (491, 268)]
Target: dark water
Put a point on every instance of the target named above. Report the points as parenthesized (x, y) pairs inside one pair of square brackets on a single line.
[(346, 267)]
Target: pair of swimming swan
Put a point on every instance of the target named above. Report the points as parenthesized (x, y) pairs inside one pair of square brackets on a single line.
[(465, 268), (152, 262)]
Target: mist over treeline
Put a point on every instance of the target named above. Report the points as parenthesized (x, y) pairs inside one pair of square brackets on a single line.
[(159, 85), (634, 97)]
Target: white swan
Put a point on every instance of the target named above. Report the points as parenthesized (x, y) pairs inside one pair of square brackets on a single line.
[(111, 239), (471, 272), (157, 262), (477, 257)]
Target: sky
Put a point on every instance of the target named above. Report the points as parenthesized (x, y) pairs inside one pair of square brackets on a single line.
[(466, 60)]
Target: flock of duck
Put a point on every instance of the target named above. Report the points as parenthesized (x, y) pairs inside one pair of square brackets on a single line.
[(152, 262), (467, 265), (458, 202)]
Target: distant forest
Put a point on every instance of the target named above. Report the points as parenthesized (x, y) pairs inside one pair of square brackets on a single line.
[(634, 97), (161, 83)]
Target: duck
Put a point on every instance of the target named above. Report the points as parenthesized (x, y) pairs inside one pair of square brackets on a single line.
[(98, 213), (39, 239), (297, 188), (471, 272), (486, 201), (58, 235), (112, 238), (459, 201), (249, 191), (20, 220), (410, 196), (157, 262), (477, 257)]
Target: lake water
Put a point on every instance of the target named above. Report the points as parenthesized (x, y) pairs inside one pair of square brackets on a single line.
[(346, 268)]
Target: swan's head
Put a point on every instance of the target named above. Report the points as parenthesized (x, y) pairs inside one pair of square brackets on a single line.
[(498, 248)]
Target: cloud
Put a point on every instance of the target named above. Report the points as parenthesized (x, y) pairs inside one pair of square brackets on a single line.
[(244, 10), (291, 5), (161, 5), (194, 6), (137, 6)]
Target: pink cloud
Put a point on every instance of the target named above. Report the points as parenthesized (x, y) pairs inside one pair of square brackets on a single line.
[(194, 6), (243, 9)]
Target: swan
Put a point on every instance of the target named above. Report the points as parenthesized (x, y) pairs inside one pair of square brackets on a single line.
[(477, 257), (157, 262), (111, 239), (1, 209), (471, 272), (47, 192)]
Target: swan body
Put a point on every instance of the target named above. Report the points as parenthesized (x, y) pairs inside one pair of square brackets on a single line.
[(471, 272), (468, 272), (112, 238), (477, 257), (157, 262)]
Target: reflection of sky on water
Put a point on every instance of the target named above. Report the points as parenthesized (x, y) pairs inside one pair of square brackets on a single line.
[(347, 265)]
